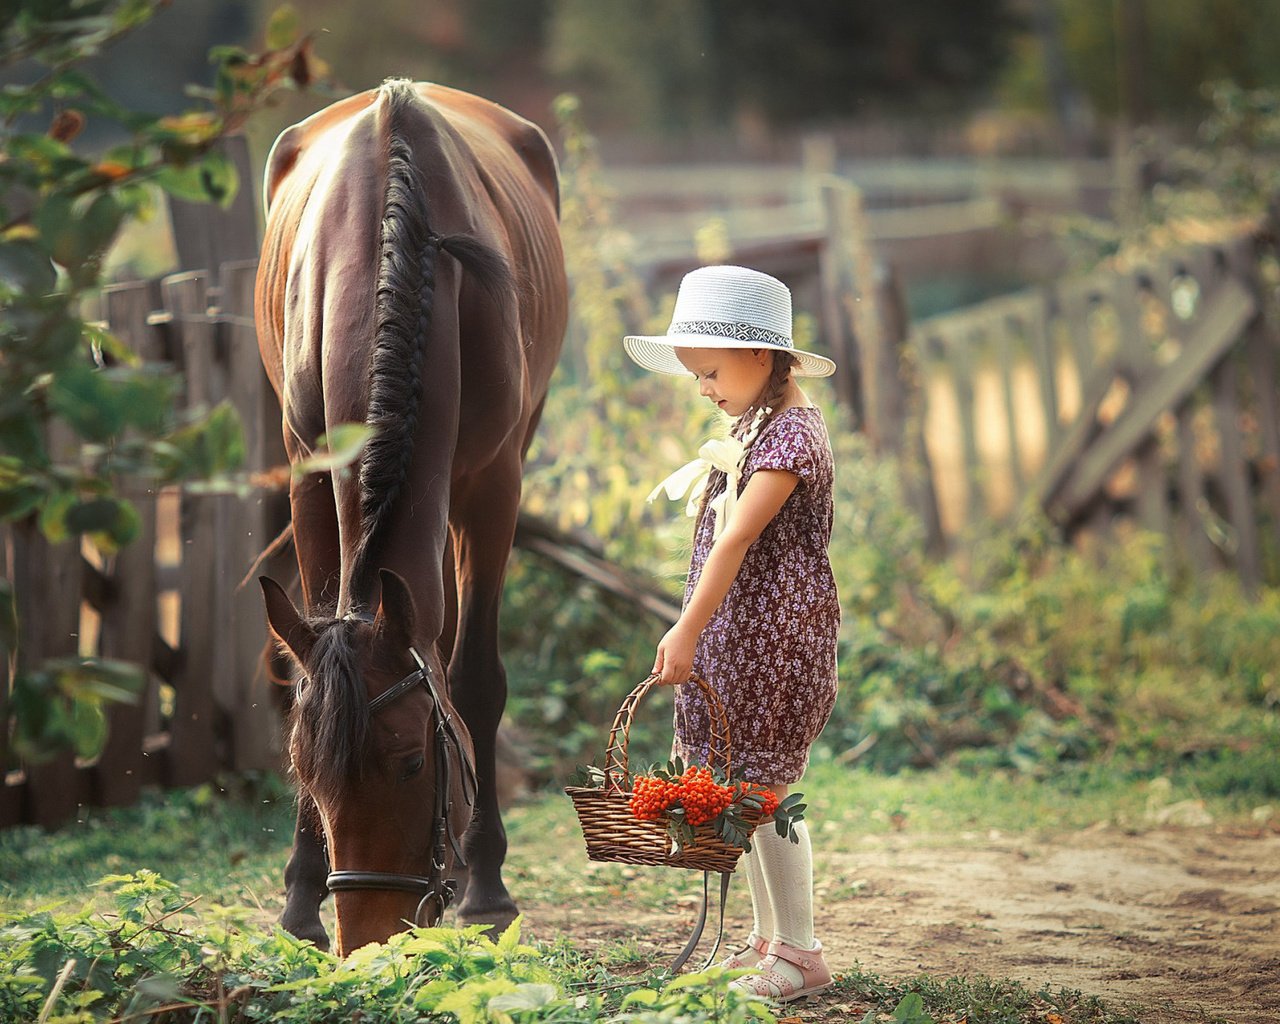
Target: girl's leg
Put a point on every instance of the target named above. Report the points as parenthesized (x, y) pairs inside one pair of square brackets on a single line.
[(788, 874), (761, 913), (794, 965)]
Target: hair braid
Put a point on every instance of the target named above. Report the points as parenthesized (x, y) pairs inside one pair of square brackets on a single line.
[(769, 398)]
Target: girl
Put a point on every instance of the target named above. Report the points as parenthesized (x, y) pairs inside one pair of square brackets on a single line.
[(761, 613)]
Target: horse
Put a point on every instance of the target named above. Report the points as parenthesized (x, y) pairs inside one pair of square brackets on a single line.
[(411, 279)]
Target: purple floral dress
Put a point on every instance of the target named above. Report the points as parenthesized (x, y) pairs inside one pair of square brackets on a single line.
[(769, 650)]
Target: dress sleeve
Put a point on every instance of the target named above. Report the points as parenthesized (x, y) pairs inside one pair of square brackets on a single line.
[(788, 444)]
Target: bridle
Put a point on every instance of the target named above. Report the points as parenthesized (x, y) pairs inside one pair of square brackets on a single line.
[(437, 891)]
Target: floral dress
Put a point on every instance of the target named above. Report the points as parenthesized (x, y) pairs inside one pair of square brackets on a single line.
[(769, 650)]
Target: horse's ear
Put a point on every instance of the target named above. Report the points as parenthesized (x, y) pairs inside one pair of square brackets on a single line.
[(396, 613), (286, 622)]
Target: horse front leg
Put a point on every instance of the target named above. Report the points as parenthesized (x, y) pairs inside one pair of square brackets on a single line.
[(478, 686), (315, 537), (304, 877)]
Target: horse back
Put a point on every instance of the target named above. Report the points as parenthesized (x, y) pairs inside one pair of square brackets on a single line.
[(489, 174)]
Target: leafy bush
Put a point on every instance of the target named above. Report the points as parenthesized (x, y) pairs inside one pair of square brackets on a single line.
[(156, 954)]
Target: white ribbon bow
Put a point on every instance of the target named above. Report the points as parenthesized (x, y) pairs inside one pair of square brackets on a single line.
[(727, 454)]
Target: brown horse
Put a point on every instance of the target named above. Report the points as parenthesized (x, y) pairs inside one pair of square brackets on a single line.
[(412, 279)]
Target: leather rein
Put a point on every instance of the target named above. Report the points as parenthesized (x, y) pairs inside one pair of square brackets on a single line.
[(437, 892)]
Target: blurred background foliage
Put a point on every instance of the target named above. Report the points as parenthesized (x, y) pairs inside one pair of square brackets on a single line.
[(1017, 653), (686, 71)]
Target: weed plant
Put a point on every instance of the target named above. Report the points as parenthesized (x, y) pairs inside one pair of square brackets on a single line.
[(154, 954)]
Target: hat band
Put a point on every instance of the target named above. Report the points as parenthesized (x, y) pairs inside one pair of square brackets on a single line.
[(737, 331)]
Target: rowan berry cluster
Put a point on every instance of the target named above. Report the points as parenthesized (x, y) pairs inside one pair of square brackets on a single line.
[(768, 798), (701, 796), (695, 790), (651, 797)]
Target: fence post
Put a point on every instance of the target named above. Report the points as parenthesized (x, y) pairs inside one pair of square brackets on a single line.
[(193, 754), (47, 583), (840, 297), (903, 406), (129, 616), (254, 521)]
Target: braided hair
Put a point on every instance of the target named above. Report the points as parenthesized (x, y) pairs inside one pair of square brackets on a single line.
[(769, 398)]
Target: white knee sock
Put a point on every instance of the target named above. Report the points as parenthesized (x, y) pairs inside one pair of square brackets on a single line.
[(761, 911), (788, 875)]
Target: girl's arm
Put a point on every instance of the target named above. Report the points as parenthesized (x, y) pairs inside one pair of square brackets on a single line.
[(765, 494)]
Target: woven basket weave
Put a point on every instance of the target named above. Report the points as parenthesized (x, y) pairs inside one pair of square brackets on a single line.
[(613, 833)]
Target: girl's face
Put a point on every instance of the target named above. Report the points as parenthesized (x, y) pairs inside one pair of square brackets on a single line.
[(732, 378)]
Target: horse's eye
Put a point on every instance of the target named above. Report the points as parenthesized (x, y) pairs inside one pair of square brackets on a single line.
[(412, 767)]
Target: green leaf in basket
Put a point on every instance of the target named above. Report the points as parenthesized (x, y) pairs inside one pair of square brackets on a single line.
[(587, 776)]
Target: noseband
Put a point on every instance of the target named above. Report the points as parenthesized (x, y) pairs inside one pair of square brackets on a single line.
[(437, 891)]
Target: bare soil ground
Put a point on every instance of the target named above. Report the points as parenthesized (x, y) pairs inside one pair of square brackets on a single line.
[(1172, 924)]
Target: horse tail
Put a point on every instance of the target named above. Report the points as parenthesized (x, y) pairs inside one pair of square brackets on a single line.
[(403, 310)]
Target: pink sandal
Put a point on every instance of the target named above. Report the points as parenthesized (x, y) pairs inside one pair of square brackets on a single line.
[(734, 961), (815, 976)]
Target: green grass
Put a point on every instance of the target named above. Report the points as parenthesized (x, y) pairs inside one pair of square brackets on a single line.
[(230, 840), (228, 844)]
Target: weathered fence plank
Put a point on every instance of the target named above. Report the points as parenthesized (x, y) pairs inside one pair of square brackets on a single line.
[(1233, 475), (258, 517), (193, 752), (128, 615), (47, 584), (1226, 314)]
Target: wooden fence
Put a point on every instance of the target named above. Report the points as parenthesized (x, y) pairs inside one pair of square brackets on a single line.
[(170, 601), (1148, 392)]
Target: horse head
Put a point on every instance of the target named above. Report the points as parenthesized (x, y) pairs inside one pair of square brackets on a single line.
[(374, 740)]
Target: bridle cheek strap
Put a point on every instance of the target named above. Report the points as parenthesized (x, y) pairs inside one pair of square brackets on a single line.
[(437, 891)]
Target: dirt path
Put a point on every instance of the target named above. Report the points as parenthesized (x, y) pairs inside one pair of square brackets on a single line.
[(1174, 924)]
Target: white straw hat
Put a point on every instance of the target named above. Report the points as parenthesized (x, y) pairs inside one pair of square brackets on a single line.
[(726, 307)]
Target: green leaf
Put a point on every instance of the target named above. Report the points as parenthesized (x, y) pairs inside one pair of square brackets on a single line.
[(212, 178), (100, 222), (85, 399), (88, 732), (340, 447), (124, 529), (53, 516), (911, 1010), (205, 449), (509, 940), (91, 515), (282, 29), (25, 267), (528, 996)]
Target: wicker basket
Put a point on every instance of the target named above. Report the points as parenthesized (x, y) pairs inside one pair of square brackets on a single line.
[(613, 833)]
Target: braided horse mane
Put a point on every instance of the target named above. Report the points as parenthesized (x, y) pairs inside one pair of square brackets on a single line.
[(407, 255)]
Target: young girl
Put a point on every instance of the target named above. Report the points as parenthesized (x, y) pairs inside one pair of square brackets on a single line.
[(761, 613)]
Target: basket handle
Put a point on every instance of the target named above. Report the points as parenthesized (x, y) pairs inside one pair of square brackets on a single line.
[(615, 762)]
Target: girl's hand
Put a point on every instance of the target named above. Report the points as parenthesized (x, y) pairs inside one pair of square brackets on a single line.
[(674, 660)]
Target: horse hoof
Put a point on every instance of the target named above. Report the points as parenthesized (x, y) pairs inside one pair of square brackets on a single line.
[(307, 931), (498, 918)]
